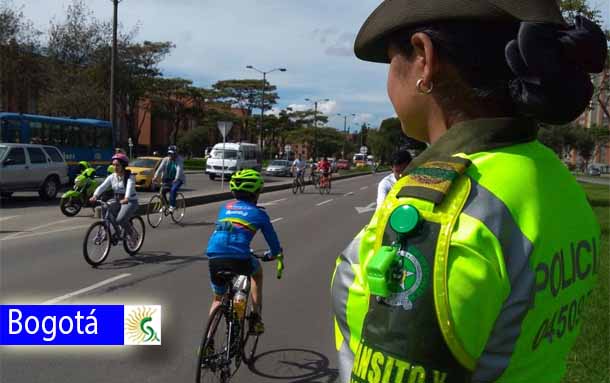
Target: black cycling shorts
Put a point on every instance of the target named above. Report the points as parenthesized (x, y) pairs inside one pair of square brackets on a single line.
[(237, 266)]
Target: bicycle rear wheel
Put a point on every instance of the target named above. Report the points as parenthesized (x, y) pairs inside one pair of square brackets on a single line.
[(155, 211), (302, 185), (96, 246), (134, 241), (215, 360), (249, 342), (180, 210)]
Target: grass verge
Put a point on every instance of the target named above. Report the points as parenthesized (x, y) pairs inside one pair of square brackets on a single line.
[(589, 359)]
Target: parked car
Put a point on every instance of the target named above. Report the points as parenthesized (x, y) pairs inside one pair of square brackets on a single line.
[(144, 168), (343, 165), (234, 157), (279, 168), (593, 171), (31, 167)]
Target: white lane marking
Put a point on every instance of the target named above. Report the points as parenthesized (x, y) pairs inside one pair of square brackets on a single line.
[(41, 233), (271, 203), (86, 289), (346, 194), (367, 208), (364, 188), (324, 202), (22, 233), (9, 217), (276, 220)]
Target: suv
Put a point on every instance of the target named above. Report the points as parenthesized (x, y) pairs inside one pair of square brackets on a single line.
[(30, 167)]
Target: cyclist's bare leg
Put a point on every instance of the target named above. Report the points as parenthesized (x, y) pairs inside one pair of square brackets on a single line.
[(256, 291), (215, 303)]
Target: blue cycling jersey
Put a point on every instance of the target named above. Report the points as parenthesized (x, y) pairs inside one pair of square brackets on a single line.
[(237, 223)]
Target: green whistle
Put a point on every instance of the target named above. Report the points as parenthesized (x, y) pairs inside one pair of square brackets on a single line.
[(404, 220)]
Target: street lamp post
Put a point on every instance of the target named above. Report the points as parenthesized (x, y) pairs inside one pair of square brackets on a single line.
[(264, 73), (315, 124), (116, 134), (345, 129)]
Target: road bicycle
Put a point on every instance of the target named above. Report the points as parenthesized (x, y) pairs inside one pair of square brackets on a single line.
[(102, 235), (158, 208), (324, 184), (298, 184), (226, 341), (314, 179)]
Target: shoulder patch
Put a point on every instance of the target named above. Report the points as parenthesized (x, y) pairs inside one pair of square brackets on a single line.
[(432, 180)]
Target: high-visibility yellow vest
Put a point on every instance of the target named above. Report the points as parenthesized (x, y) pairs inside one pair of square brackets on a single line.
[(495, 280)]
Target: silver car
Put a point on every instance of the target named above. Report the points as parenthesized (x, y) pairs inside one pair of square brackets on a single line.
[(279, 168), (30, 167)]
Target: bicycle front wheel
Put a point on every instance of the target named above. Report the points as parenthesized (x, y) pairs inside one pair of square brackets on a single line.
[(155, 211), (295, 186), (96, 246), (215, 361), (134, 240), (180, 210)]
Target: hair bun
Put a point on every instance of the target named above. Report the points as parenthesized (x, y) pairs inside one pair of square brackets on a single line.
[(552, 67)]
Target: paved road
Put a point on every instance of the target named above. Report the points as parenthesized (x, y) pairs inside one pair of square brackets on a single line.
[(29, 211), (44, 263)]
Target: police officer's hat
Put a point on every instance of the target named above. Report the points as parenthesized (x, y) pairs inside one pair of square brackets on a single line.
[(394, 15)]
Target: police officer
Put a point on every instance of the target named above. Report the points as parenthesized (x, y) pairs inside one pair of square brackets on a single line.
[(480, 263)]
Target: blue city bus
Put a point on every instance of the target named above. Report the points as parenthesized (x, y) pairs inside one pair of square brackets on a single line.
[(80, 139)]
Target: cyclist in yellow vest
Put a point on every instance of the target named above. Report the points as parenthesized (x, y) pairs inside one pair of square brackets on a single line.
[(481, 260)]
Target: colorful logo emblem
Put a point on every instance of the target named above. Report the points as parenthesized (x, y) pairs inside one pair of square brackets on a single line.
[(410, 279), (143, 325)]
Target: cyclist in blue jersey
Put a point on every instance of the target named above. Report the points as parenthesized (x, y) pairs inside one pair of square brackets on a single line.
[(229, 246)]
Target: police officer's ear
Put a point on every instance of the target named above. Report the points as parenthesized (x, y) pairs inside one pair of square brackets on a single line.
[(425, 57)]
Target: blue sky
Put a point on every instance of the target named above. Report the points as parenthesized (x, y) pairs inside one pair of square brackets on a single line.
[(216, 39)]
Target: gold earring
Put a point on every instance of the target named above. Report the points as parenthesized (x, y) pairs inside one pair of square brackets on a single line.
[(422, 89)]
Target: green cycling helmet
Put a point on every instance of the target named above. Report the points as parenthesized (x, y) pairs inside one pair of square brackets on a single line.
[(247, 180)]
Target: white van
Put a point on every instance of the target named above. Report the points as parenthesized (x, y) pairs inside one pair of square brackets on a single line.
[(237, 156)]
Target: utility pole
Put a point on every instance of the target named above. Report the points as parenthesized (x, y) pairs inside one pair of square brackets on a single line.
[(345, 129), (315, 124), (116, 133)]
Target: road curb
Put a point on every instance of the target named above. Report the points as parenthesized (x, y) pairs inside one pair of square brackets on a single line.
[(215, 197)]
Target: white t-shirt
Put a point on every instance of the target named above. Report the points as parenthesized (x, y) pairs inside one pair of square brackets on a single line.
[(299, 164), (384, 188)]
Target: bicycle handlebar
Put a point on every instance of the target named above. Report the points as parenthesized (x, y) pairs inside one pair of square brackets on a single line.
[(280, 262)]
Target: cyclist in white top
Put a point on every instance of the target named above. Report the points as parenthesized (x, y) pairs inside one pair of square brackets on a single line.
[(400, 160), (300, 166)]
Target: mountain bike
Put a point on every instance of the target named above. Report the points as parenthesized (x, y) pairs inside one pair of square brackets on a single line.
[(102, 235), (324, 184), (298, 184), (226, 341), (158, 208)]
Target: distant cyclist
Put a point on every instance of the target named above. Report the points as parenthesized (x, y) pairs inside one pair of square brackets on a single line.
[(229, 246), (171, 172), (325, 168), (300, 165), (123, 184), (400, 160)]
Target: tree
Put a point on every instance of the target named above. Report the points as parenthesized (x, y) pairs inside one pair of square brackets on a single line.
[(22, 65), (176, 100), (77, 49), (389, 138), (137, 70), (194, 141), (245, 95)]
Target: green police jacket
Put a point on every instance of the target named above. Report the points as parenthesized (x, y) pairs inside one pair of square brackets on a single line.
[(495, 278)]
